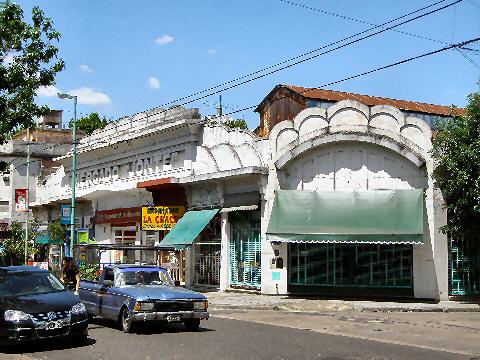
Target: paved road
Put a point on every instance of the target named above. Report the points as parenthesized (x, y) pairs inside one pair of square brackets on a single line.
[(263, 335)]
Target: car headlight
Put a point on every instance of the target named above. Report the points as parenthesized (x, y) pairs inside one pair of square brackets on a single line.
[(144, 306), (15, 316), (200, 305), (78, 309)]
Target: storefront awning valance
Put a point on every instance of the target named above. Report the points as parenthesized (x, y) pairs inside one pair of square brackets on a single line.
[(374, 216), (187, 229)]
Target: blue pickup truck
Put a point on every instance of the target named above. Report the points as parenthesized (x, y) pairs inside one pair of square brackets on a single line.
[(131, 293)]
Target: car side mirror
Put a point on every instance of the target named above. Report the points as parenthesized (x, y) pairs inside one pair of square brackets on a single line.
[(177, 282), (108, 283)]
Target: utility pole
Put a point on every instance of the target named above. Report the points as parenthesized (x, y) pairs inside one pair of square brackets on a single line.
[(27, 200), (221, 109), (74, 168)]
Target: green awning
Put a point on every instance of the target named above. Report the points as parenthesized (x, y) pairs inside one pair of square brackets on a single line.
[(374, 216), (45, 239), (187, 229)]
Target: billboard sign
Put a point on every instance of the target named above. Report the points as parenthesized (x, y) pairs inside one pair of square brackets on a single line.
[(21, 200), (161, 217)]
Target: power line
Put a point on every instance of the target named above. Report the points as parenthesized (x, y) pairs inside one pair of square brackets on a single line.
[(308, 53), (453, 46), (320, 54), (360, 21)]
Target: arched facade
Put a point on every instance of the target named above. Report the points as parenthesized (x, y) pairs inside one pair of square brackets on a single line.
[(350, 147)]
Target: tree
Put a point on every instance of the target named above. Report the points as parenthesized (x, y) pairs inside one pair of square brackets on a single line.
[(456, 150), (237, 123), (28, 61), (90, 123), (14, 244), (57, 231)]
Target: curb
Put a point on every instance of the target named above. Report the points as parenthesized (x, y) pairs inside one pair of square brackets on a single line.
[(286, 308)]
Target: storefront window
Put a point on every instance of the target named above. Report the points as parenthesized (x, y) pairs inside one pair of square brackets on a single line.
[(368, 265)]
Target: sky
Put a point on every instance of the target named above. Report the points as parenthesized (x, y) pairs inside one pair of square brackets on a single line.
[(123, 57)]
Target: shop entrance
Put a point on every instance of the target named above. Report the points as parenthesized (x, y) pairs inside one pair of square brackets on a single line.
[(206, 250), (124, 236), (351, 269), (245, 249)]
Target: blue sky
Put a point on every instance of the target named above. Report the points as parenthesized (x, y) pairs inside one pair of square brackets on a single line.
[(123, 57)]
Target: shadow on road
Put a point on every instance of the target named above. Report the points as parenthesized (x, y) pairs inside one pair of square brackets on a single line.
[(47, 345), (146, 328)]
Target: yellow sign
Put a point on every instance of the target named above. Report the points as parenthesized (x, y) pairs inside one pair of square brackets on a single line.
[(161, 217)]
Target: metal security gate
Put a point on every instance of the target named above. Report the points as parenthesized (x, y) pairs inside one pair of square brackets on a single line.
[(351, 269), (464, 270), (245, 249), (207, 264)]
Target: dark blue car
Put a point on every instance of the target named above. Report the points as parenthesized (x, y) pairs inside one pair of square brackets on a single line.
[(35, 305), (132, 293)]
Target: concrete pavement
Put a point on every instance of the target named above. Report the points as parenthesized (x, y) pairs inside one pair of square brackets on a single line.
[(254, 301)]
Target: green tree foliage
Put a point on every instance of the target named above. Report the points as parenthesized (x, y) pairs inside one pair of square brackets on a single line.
[(57, 231), (456, 149), (90, 123), (14, 244), (28, 60), (89, 271), (237, 123)]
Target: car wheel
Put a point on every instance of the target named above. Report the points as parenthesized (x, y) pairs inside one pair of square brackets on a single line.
[(192, 325), (126, 321)]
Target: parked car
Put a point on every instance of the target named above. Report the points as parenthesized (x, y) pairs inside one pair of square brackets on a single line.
[(130, 294), (35, 305)]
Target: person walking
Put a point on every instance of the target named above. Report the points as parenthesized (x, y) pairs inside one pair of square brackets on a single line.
[(70, 275)]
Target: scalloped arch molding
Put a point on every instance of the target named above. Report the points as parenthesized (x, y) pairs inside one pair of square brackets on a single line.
[(351, 121)]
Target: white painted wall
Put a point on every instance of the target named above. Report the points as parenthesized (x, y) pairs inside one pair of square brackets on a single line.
[(350, 146)]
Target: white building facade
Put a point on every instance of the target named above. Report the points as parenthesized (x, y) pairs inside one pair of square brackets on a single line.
[(230, 183)]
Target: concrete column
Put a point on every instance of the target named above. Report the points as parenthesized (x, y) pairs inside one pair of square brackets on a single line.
[(225, 254), (440, 244), (190, 266)]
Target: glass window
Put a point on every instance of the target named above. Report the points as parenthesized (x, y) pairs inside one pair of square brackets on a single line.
[(143, 278), (28, 283)]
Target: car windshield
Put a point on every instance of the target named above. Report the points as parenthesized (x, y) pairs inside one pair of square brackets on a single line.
[(28, 283), (142, 277)]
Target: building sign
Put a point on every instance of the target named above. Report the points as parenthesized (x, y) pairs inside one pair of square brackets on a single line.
[(161, 217), (41, 264), (21, 200), (82, 236), (117, 216), (65, 212)]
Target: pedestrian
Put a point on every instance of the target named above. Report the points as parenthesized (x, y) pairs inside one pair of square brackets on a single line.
[(70, 275)]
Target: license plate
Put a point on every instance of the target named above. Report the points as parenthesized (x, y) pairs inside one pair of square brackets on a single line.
[(53, 325), (171, 318)]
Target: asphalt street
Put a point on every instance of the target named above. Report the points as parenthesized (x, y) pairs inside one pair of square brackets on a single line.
[(262, 335)]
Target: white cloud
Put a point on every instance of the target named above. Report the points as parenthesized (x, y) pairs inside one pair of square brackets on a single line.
[(89, 96), (153, 82), (211, 51), (8, 59), (85, 69), (47, 91), (164, 39)]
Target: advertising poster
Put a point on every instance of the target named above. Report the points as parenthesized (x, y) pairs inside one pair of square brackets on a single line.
[(161, 217), (82, 236), (65, 212), (21, 200)]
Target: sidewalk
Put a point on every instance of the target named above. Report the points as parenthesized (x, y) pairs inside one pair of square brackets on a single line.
[(252, 301)]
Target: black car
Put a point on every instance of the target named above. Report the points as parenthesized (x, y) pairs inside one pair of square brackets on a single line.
[(35, 305)]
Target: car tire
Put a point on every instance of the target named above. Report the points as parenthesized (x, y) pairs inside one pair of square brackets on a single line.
[(126, 322), (192, 325)]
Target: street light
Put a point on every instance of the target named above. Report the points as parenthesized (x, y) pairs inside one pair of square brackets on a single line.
[(74, 168)]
